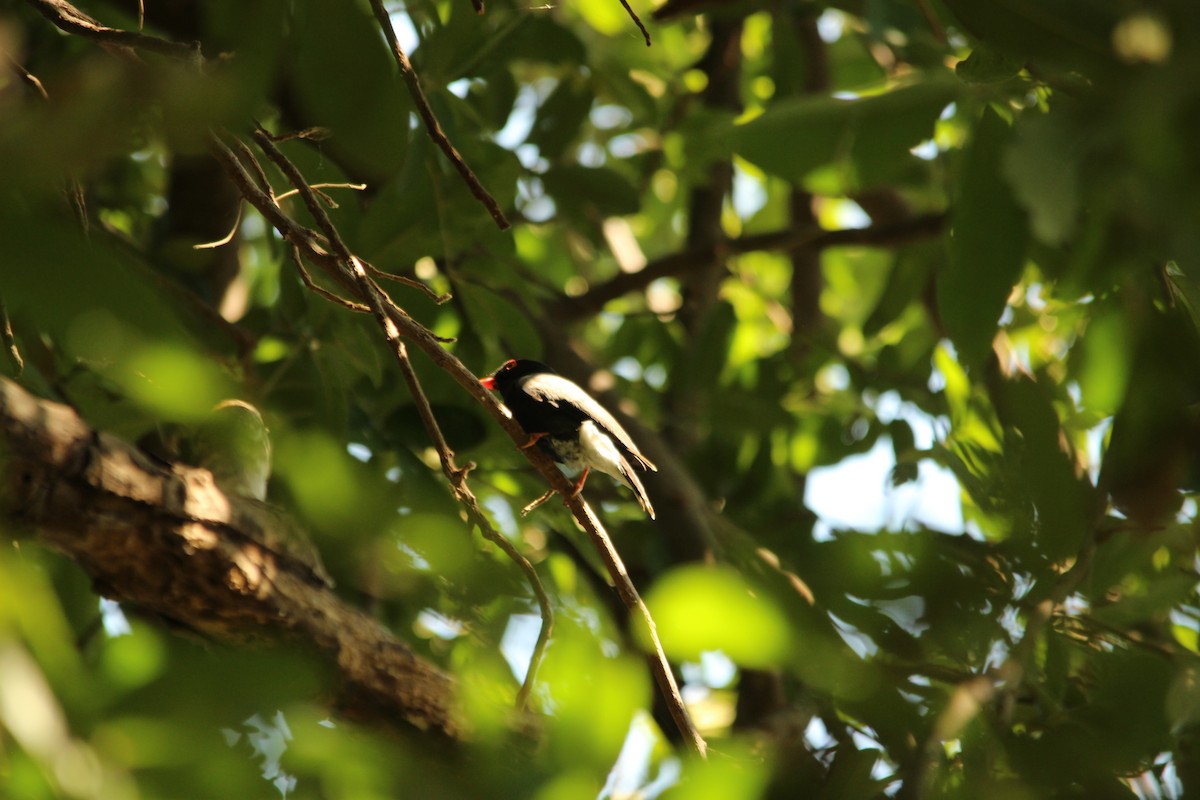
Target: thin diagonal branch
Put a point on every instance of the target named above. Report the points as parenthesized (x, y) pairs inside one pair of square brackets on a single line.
[(396, 323), (407, 281), (431, 122), (247, 156), (636, 21), (27, 76), (10, 340), (458, 482), (312, 286)]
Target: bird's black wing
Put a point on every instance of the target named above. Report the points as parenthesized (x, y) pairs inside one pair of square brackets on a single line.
[(556, 390)]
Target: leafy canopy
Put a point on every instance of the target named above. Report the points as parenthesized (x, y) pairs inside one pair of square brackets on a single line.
[(956, 239)]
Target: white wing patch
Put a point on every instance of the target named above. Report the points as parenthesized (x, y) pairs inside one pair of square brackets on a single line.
[(551, 388)]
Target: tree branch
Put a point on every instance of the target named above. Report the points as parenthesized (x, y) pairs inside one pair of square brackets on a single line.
[(348, 272), (636, 21), (70, 19), (378, 303), (431, 123), (676, 264), (164, 537), (458, 482)]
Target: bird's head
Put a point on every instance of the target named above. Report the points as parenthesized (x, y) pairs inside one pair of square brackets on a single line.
[(511, 371)]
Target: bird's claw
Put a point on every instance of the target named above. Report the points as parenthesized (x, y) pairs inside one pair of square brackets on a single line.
[(533, 439)]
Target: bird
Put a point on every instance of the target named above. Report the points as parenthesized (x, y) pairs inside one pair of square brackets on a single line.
[(569, 425)]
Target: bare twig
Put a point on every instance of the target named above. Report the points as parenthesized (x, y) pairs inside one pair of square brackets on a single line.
[(264, 202), (70, 19), (431, 123), (26, 76), (633, 601), (10, 340), (527, 510), (315, 134), (227, 238), (935, 27), (248, 157), (407, 281), (74, 189), (78, 199), (637, 21), (298, 260), (329, 201)]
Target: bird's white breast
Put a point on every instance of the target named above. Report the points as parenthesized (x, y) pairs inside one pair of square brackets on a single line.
[(598, 451)]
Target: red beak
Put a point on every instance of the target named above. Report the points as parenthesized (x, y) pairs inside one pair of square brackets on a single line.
[(488, 383)]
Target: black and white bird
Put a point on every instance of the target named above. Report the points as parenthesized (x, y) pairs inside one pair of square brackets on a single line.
[(569, 425)]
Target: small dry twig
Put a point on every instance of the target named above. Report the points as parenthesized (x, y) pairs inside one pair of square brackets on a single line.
[(227, 238), (298, 260), (329, 201), (458, 482), (26, 76), (10, 341), (527, 510), (637, 21), (407, 281)]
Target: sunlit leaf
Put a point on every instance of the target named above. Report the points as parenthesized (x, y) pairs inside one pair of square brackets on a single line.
[(698, 609), (793, 137)]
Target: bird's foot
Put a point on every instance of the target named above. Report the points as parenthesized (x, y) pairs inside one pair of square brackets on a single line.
[(579, 483), (533, 439)]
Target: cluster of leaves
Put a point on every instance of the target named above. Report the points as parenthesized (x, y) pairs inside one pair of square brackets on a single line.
[(959, 237)]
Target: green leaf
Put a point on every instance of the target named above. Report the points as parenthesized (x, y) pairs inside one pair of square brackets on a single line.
[(1048, 472), (598, 190), (1072, 34), (561, 116), (499, 322), (697, 609), (870, 135), (341, 68), (988, 65), (1042, 166), (987, 244)]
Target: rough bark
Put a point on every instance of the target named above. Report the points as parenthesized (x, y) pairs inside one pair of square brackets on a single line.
[(164, 536)]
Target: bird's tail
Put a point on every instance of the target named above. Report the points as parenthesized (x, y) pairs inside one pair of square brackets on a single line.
[(630, 479)]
